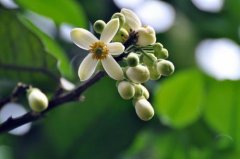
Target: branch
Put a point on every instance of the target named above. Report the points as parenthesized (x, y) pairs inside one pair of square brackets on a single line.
[(12, 123), (73, 95)]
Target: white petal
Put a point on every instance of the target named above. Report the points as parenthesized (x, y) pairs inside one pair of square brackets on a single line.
[(115, 48), (110, 30), (112, 68), (87, 67), (82, 38), (132, 19)]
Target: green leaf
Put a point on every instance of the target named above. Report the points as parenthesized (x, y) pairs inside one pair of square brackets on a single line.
[(178, 99), (23, 56), (61, 11), (222, 109), (52, 48)]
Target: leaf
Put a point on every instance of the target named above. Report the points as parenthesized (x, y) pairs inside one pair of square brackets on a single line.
[(77, 129), (178, 99), (222, 109), (23, 56), (52, 48), (61, 11)]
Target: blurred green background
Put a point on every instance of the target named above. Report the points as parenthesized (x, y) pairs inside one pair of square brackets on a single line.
[(197, 108)]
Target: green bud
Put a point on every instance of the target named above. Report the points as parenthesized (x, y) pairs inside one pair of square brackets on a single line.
[(138, 74), (165, 67), (146, 36), (37, 100), (144, 109), (138, 91), (132, 59), (121, 18), (157, 47), (145, 91), (163, 54), (98, 26), (121, 36), (149, 59), (154, 74), (126, 90)]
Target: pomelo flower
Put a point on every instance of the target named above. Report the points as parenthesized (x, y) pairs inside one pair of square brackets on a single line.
[(99, 51)]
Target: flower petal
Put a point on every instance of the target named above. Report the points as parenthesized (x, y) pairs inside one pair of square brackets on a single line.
[(112, 68), (87, 67), (82, 38), (110, 30), (115, 48), (132, 19)]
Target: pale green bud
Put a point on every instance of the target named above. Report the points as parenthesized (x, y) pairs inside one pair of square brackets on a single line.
[(132, 59), (154, 74), (37, 100), (157, 47), (149, 59), (138, 91), (165, 67), (126, 90), (145, 91), (161, 54), (146, 36), (144, 109), (121, 36), (138, 74), (121, 18), (98, 26)]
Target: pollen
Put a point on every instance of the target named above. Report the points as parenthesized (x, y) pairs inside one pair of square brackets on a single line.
[(99, 50)]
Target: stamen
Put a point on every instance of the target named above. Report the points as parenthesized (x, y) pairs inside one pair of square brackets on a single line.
[(99, 50)]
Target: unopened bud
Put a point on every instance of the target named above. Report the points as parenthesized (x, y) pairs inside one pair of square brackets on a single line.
[(121, 18), (37, 100), (149, 59), (138, 74), (157, 47), (146, 36), (165, 67), (154, 74), (126, 90), (144, 109), (161, 54), (132, 59), (121, 36), (145, 91), (98, 26)]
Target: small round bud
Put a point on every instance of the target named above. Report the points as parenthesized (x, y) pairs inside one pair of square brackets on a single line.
[(121, 36), (132, 59), (138, 74), (138, 91), (165, 67), (149, 59), (144, 109), (126, 90), (146, 36), (37, 100), (121, 18), (98, 26), (154, 74), (145, 91), (157, 47), (163, 54)]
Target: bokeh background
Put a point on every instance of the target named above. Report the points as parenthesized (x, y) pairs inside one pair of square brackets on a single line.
[(197, 109)]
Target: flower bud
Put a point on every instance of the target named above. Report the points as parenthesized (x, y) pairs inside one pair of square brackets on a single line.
[(145, 91), (165, 67), (146, 36), (98, 26), (138, 91), (126, 90), (149, 59), (157, 47), (138, 74), (37, 100), (121, 18), (121, 36), (144, 109), (132, 59), (161, 54), (154, 74)]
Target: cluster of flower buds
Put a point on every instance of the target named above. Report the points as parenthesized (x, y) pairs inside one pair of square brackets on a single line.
[(144, 58)]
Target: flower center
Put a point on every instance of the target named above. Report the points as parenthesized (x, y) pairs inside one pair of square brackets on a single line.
[(99, 50)]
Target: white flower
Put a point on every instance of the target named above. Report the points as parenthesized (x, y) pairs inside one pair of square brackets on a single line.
[(146, 34), (99, 50)]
